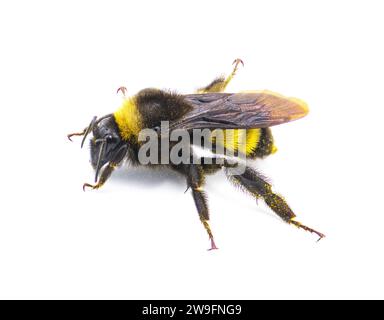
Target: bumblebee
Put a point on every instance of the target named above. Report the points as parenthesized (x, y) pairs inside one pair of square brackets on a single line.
[(249, 114)]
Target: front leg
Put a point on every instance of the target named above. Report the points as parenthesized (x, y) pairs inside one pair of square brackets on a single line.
[(219, 84), (85, 132), (107, 172), (103, 177)]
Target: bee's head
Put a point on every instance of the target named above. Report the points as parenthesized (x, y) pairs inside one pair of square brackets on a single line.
[(106, 144)]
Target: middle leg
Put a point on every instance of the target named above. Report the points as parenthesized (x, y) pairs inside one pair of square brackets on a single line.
[(195, 180)]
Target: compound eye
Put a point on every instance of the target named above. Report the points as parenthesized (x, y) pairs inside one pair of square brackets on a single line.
[(109, 138)]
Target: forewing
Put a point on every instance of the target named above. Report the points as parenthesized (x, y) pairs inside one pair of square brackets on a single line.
[(244, 110)]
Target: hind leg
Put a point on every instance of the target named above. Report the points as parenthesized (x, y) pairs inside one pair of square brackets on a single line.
[(219, 84), (256, 185)]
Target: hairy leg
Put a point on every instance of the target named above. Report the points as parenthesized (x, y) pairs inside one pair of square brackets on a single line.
[(195, 180), (254, 183), (110, 167), (219, 84)]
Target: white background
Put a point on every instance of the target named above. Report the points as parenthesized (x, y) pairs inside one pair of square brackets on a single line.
[(140, 236)]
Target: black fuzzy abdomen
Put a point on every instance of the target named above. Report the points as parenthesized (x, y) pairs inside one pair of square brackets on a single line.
[(265, 146)]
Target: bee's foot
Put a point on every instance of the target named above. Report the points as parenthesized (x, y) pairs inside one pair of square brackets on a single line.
[(301, 226), (69, 136), (213, 245), (123, 91), (321, 236), (93, 187), (236, 62)]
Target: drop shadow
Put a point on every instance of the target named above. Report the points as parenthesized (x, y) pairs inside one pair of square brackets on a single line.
[(149, 177), (155, 177), (249, 202)]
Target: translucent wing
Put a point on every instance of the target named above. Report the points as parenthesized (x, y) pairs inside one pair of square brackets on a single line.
[(244, 110)]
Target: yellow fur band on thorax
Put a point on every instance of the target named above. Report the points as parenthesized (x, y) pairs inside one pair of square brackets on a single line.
[(128, 119)]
